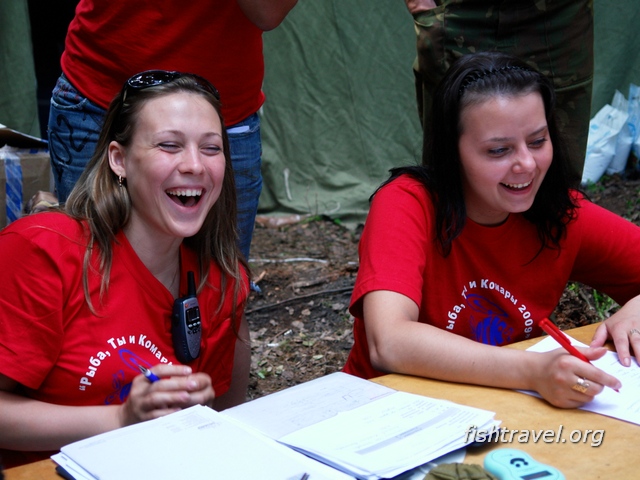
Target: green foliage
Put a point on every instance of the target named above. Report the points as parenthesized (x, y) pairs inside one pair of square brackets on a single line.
[(312, 218), (593, 188), (605, 306), (632, 207), (592, 300), (574, 287)]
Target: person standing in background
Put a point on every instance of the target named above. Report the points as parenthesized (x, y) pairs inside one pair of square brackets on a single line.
[(108, 41), (553, 36)]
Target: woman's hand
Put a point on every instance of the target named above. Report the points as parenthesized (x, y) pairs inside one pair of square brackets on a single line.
[(568, 382), (40, 202), (416, 6), (623, 327), (177, 388)]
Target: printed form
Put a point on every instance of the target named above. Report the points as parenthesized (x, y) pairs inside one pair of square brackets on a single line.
[(623, 405), (365, 429), (197, 443)]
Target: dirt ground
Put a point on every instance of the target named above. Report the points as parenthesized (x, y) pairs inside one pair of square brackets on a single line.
[(300, 326)]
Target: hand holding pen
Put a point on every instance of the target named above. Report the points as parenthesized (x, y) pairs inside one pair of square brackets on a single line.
[(581, 385), (179, 385), (167, 389), (152, 377)]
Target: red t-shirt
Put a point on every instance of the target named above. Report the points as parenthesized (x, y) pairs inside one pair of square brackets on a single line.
[(61, 353), (492, 288), (109, 41)]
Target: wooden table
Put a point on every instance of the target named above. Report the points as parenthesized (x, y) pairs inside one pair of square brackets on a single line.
[(617, 457), (44, 469)]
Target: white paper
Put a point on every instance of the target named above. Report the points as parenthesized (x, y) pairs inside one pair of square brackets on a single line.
[(195, 443), (625, 404), (288, 410), (366, 429), (388, 435), (71, 467)]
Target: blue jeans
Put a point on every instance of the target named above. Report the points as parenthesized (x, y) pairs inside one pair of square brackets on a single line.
[(74, 127), (246, 157)]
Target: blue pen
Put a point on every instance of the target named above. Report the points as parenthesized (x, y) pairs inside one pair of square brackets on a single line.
[(149, 374)]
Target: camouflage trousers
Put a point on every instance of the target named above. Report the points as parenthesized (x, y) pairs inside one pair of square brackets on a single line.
[(554, 36)]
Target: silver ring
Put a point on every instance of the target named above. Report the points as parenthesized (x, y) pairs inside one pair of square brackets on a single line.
[(634, 330), (581, 385)]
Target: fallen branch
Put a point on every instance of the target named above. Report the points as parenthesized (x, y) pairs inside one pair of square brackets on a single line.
[(287, 260), (295, 299), (308, 283), (586, 299)]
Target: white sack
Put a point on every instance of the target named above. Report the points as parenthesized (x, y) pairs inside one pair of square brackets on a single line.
[(625, 138), (601, 142)]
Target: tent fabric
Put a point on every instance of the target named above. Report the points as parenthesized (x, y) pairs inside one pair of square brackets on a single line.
[(616, 50), (341, 108), (18, 99)]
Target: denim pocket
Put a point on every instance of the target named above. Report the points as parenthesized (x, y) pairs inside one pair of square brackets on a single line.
[(66, 97), (247, 127)]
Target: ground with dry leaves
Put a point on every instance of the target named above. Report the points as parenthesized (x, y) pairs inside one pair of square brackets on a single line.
[(300, 325)]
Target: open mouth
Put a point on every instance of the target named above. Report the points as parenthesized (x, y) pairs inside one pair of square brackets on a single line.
[(516, 186), (187, 197)]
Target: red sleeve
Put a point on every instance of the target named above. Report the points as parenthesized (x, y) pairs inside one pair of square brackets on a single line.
[(392, 247), (31, 325), (608, 257)]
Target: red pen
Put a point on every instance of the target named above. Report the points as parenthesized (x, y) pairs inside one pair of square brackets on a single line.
[(550, 327), (560, 337)]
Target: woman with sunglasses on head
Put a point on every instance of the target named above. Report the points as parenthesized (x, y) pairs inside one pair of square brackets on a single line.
[(472, 249), (89, 291), (107, 41)]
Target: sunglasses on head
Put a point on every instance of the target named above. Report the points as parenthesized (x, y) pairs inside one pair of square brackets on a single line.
[(153, 78)]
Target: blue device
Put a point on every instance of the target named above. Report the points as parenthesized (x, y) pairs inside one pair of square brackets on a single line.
[(512, 464)]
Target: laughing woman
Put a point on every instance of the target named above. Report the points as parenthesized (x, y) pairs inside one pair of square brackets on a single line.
[(469, 251), (88, 291)]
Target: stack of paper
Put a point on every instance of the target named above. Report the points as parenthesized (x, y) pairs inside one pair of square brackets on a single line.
[(367, 430), (358, 427), (197, 443)]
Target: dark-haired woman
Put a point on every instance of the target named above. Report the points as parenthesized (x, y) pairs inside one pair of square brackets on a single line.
[(470, 250)]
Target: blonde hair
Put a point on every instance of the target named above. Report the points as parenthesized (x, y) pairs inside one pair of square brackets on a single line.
[(102, 201)]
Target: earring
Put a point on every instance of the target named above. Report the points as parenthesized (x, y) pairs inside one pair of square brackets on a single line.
[(120, 181)]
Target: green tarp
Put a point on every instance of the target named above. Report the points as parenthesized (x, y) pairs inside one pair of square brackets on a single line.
[(341, 109), (18, 99)]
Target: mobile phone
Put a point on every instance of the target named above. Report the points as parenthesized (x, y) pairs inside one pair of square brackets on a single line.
[(186, 326), (512, 464)]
